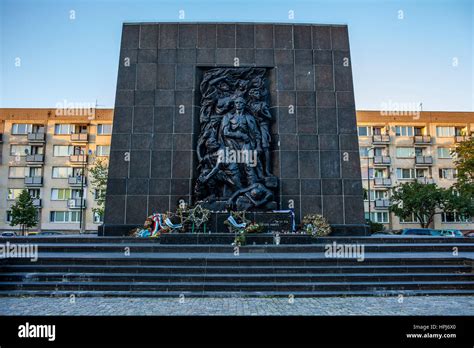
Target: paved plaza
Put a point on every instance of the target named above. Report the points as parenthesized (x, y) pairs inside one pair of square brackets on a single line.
[(393, 305)]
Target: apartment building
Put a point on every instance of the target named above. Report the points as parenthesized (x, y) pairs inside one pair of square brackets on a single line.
[(398, 148), (47, 151)]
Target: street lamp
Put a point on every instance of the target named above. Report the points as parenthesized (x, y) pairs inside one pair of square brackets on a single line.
[(368, 178), (83, 178)]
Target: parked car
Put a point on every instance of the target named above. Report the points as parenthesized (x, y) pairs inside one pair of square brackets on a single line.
[(469, 234), (8, 234), (49, 233), (451, 233), (419, 232)]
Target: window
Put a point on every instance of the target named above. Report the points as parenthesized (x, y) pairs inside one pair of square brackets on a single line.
[(62, 129), (17, 172), (454, 217), (62, 150), (364, 151), (404, 131), (21, 128), (102, 150), (20, 150), (34, 171), (97, 218), (405, 173), (13, 193), (420, 173), (60, 194), (364, 131), (64, 216), (8, 216), (408, 220), (380, 216), (444, 152), (34, 193), (444, 131), (104, 129), (405, 152), (377, 194), (99, 194), (447, 173), (378, 130), (62, 172), (419, 130)]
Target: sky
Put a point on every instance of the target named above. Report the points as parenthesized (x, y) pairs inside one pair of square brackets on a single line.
[(404, 52)]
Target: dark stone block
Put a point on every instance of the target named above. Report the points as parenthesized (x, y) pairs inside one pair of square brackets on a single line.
[(146, 76), (322, 57), (245, 35), (304, 77), (124, 98), (330, 164), (163, 120), (309, 164), (184, 76), (289, 164), (166, 76), (123, 119), (311, 186), (127, 77), (167, 56), (346, 120), (163, 141), (340, 38), (329, 142), (160, 187), (128, 57), (118, 167), (306, 120), (145, 98), (143, 119), (302, 36), (164, 98), (120, 141), (116, 186), (186, 56), (136, 210), (343, 78), (286, 120), (325, 99), (333, 209), (327, 121), (284, 57), (353, 187), (225, 56), (115, 209), (147, 56), (263, 36), (182, 122), (349, 142), (310, 204), (288, 142), (322, 37), (161, 164), (286, 98), (182, 141), (331, 186), (304, 57), (306, 98), (246, 56), (354, 208), (351, 168), (264, 57), (182, 164), (141, 141), (139, 164), (187, 34), (184, 97), (290, 186), (283, 36), (345, 100), (158, 204), (148, 36), (324, 78), (225, 35), (137, 186), (206, 56), (130, 34), (168, 36), (286, 77), (308, 142), (206, 35), (180, 187)]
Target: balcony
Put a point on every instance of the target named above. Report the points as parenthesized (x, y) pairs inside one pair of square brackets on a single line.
[(34, 181), (460, 138), (422, 139), (382, 161), (381, 139), (381, 204), (36, 137), (37, 202), (35, 159), (423, 180), (382, 182), (423, 160), (75, 203), (80, 137), (78, 159), (77, 181)]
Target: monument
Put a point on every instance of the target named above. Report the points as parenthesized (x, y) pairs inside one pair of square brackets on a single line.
[(235, 116)]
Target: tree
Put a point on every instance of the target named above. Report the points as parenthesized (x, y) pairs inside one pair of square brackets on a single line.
[(23, 212), (99, 172), (464, 161), (424, 201)]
